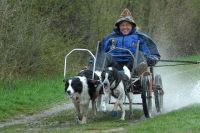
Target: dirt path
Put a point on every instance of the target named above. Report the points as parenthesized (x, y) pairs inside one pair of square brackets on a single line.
[(36, 117)]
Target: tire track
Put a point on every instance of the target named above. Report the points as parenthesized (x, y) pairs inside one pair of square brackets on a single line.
[(27, 119)]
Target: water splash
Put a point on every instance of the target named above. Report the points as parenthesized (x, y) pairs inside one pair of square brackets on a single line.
[(181, 89), (195, 94)]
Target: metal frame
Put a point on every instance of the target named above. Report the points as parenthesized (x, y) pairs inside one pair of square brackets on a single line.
[(117, 48), (78, 49)]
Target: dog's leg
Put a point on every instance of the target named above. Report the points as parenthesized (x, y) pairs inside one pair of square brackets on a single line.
[(105, 101), (99, 101), (117, 103), (121, 100), (94, 108), (78, 113), (122, 109), (84, 110), (130, 104)]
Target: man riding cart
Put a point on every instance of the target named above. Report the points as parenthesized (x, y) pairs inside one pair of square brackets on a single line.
[(126, 46), (126, 36)]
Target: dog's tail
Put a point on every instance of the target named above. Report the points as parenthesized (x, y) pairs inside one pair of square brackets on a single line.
[(127, 71)]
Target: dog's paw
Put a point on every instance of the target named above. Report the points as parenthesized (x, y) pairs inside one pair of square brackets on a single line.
[(80, 121), (77, 120), (122, 119)]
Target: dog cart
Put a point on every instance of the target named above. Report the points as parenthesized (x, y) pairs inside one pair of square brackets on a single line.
[(147, 84)]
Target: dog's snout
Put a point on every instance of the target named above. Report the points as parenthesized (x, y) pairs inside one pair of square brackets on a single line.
[(105, 84), (68, 92)]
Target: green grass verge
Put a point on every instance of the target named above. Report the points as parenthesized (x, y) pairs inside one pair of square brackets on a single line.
[(185, 120), (27, 95), (191, 58)]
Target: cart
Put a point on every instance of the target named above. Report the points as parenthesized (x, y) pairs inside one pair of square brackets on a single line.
[(148, 84)]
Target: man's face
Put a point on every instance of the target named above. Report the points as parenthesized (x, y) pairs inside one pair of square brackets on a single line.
[(125, 27)]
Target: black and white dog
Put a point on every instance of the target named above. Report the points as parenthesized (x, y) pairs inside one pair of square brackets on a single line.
[(81, 90), (115, 83)]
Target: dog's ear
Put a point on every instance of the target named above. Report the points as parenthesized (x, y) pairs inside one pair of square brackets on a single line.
[(91, 81), (94, 82), (66, 84), (97, 82)]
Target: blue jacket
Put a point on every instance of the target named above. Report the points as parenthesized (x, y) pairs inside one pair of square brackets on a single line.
[(146, 45)]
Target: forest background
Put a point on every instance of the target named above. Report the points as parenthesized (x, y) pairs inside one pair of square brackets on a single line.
[(35, 35)]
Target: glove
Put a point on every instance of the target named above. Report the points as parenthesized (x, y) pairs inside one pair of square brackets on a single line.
[(152, 60)]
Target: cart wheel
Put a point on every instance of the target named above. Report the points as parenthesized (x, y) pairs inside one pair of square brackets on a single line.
[(158, 93), (146, 96)]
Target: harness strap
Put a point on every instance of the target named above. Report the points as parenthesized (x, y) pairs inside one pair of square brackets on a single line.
[(126, 83), (112, 89)]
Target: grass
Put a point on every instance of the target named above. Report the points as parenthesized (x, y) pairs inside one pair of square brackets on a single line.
[(191, 58), (185, 120), (27, 95), (181, 121)]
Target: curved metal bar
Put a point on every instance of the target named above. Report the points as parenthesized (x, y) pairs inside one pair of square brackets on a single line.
[(96, 54), (117, 48), (78, 49), (136, 53)]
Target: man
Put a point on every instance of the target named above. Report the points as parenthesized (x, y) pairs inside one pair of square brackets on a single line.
[(126, 36)]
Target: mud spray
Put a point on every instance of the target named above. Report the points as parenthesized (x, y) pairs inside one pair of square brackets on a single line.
[(181, 86)]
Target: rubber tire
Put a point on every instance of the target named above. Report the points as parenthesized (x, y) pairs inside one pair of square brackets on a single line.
[(158, 93), (146, 102)]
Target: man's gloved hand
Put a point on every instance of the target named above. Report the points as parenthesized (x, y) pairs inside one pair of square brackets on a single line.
[(152, 60)]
